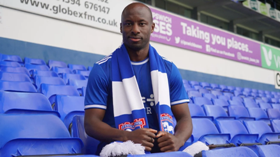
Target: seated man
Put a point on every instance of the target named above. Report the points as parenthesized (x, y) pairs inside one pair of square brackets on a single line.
[(134, 93)]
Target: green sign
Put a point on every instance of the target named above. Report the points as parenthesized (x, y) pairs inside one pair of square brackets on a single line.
[(254, 5), (263, 8), (270, 57), (246, 3), (272, 13)]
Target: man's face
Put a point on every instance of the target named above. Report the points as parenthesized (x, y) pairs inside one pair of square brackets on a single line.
[(136, 27)]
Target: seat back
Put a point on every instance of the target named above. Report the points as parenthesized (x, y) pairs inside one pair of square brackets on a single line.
[(276, 125), (216, 93), (17, 86), (226, 98), (77, 130), (9, 64), (276, 106), (215, 111), (48, 80), (273, 113), (196, 110), (77, 67), (209, 96), (60, 71), (15, 70), (11, 58), (36, 67), (268, 150), (220, 102), (235, 151), (238, 111), (201, 101), (68, 107), (52, 90), (232, 127), (257, 113), (34, 61), (44, 73), (38, 134), (250, 103), (203, 90), (257, 127), (84, 73), (53, 63), (264, 105), (203, 127), (78, 84), (66, 77), (19, 102), (8, 76)]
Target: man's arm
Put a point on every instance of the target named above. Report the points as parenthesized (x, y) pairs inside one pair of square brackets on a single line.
[(183, 130), (96, 128)]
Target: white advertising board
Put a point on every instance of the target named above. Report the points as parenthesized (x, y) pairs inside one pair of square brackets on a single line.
[(103, 14)]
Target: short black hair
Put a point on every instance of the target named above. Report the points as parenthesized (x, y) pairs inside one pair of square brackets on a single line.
[(137, 3)]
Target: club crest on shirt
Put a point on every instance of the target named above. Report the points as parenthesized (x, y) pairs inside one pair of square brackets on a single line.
[(137, 123), (167, 123)]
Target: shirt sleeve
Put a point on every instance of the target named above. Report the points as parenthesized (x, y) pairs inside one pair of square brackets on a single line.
[(97, 89), (178, 94)]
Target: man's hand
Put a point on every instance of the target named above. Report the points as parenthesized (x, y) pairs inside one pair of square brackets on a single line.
[(144, 136), (168, 142)]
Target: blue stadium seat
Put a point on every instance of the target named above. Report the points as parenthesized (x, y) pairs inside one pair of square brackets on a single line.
[(261, 94), (9, 64), (17, 86), (60, 71), (238, 93), (77, 67), (192, 94), (237, 99), (84, 73), (260, 91), (34, 61), (267, 92), (231, 88), (84, 91), (44, 74), (238, 132), (240, 112), (24, 103), (238, 89), (223, 97), (197, 112), (273, 113), (32, 67), (187, 85), (250, 103), (185, 81), (201, 101), (215, 87), (197, 87), (237, 103), (203, 90), (268, 150), (274, 100), (48, 80), (54, 63), (216, 93), (275, 124), (209, 96), (254, 91), (265, 99), (276, 106), (194, 83), (205, 85), (79, 84), (205, 131), (216, 111), (264, 105), (15, 70), (190, 89), (67, 77), (266, 136), (90, 68), (11, 58), (224, 88), (247, 90), (51, 91), (259, 114), (8, 76), (259, 101), (68, 107), (77, 130), (234, 152), (220, 102), (229, 95), (40, 134)]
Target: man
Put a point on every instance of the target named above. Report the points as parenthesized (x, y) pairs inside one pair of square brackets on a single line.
[(102, 94)]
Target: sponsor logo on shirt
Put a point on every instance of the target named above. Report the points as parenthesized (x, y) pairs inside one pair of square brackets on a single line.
[(131, 126)]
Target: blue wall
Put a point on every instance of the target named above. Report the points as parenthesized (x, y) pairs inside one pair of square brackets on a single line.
[(31, 50)]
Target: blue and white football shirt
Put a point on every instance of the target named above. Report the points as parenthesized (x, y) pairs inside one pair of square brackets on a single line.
[(99, 88)]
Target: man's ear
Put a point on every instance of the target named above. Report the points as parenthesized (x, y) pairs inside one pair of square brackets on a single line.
[(153, 27), (121, 27)]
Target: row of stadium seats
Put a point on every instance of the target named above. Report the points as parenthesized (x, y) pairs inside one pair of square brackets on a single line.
[(194, 85)]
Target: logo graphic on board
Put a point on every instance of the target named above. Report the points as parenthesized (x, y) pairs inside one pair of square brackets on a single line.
[(177, 40), (267, 56), (277, 79)]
